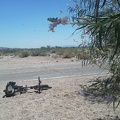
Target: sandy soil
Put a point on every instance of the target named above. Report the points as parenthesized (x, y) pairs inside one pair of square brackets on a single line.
[(63, 102), (13, 62)]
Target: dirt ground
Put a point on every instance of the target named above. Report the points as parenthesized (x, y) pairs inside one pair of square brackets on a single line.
[(64, 101)]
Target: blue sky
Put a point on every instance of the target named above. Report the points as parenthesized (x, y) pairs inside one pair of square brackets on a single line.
[(23, 24)]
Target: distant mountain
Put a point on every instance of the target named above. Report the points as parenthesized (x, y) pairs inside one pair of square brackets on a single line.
[(4, 48)]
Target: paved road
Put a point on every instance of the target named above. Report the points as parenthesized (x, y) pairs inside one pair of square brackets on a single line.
[(73, 69)]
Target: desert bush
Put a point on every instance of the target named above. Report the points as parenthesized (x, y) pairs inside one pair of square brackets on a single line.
[(24, 54), (9, 51), (68, 54), (1, 53), (43, 54), (53, 51), (35, 52), (38, 52), (60, 52), (83, 54)]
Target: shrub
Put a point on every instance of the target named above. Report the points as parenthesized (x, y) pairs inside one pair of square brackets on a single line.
[(24, 54), (35, 53), (68, 54), (53, 51)]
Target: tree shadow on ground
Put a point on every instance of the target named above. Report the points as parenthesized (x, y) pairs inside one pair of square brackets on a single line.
[(94, 95), (108, 118)]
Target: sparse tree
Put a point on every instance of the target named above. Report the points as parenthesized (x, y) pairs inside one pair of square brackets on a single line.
[(100, 19)]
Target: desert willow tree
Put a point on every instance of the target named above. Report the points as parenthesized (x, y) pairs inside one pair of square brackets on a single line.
[(100, 20)]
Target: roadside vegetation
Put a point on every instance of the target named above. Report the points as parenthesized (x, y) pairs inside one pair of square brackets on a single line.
[(63, 52), (100, 21)]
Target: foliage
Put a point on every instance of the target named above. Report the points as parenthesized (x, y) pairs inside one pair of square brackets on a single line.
[(24, 54), (104, 29), (100, 20), (38, 52), (65, 52), (56, 21), (9, 51), (68, 54)]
